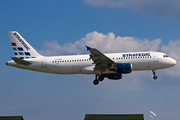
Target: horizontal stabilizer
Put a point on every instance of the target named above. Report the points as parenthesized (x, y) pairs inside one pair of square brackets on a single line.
[(20, 61)]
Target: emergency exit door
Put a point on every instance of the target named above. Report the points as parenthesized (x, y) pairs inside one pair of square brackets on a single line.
[(43, 63)]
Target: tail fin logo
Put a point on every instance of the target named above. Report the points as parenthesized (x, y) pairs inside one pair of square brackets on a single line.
[(21, 41)]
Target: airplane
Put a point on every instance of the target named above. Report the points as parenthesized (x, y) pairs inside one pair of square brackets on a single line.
[(110, 66)]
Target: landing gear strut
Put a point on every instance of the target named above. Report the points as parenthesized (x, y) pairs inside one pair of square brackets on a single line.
[(100, 78), (154, 73)]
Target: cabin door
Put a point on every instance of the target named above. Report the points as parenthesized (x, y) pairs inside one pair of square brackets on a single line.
[(43, 63), (155, 57)]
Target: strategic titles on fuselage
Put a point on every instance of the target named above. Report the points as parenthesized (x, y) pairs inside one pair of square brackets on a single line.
[(136, 55)]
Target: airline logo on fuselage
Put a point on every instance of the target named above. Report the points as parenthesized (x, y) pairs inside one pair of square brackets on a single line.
[(21, 41), (136, 55)]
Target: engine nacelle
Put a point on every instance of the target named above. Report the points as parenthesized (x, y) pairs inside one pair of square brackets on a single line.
[(122, 68), (114, 76)]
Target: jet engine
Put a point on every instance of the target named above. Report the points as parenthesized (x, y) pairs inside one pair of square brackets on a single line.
[(124, 68)]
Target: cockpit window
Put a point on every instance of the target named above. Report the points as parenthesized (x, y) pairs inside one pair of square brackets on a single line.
[(165, 56)]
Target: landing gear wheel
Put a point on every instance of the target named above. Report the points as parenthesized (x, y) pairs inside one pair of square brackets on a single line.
[(155, 77), (154, 73), (96, 81), (101, 78)]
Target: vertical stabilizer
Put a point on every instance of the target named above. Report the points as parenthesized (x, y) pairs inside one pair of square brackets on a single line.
[(22, 49)]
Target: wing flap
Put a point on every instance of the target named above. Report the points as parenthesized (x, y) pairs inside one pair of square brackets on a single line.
[(20, 61)]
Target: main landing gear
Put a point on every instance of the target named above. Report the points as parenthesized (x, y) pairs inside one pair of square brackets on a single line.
[(100, 78), (154, 73)]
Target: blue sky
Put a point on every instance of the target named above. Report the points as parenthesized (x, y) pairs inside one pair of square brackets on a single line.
[(65, 27)]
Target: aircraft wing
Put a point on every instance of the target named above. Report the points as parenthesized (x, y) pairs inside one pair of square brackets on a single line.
[(100, 60)]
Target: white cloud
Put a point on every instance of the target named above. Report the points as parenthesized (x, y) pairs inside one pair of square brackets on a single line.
[(158, 8), (105, 43), (53, 48)]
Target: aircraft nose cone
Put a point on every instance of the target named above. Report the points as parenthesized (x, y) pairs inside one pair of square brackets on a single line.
[(173, 62)]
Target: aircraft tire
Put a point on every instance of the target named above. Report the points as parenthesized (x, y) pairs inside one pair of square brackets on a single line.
[(101, 78), (96, 81), (155, 77)]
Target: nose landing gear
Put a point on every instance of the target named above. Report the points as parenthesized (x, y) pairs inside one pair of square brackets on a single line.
[(154, 73)]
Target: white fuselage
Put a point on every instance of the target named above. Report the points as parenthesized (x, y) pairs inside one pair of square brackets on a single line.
[(81, 64)]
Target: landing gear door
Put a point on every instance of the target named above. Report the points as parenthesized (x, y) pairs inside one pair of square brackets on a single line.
[(155, 57), (43, 63)]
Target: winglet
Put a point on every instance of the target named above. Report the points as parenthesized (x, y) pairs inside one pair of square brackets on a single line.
[(88, 47)]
